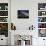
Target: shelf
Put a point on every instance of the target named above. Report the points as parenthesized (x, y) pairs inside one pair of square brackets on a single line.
[(4, 19), (41, 28), (41, 19), (3, 16), (3, 10), (41, 22), (41, 10), (3, 22), (42, 16)]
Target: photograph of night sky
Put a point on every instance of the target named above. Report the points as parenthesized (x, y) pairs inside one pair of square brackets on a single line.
[(23, 13)]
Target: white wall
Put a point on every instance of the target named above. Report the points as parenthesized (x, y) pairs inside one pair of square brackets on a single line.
[(32, 6), (23, 24)]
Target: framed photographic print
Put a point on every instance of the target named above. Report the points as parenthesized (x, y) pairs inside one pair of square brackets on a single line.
[(23, 14)]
